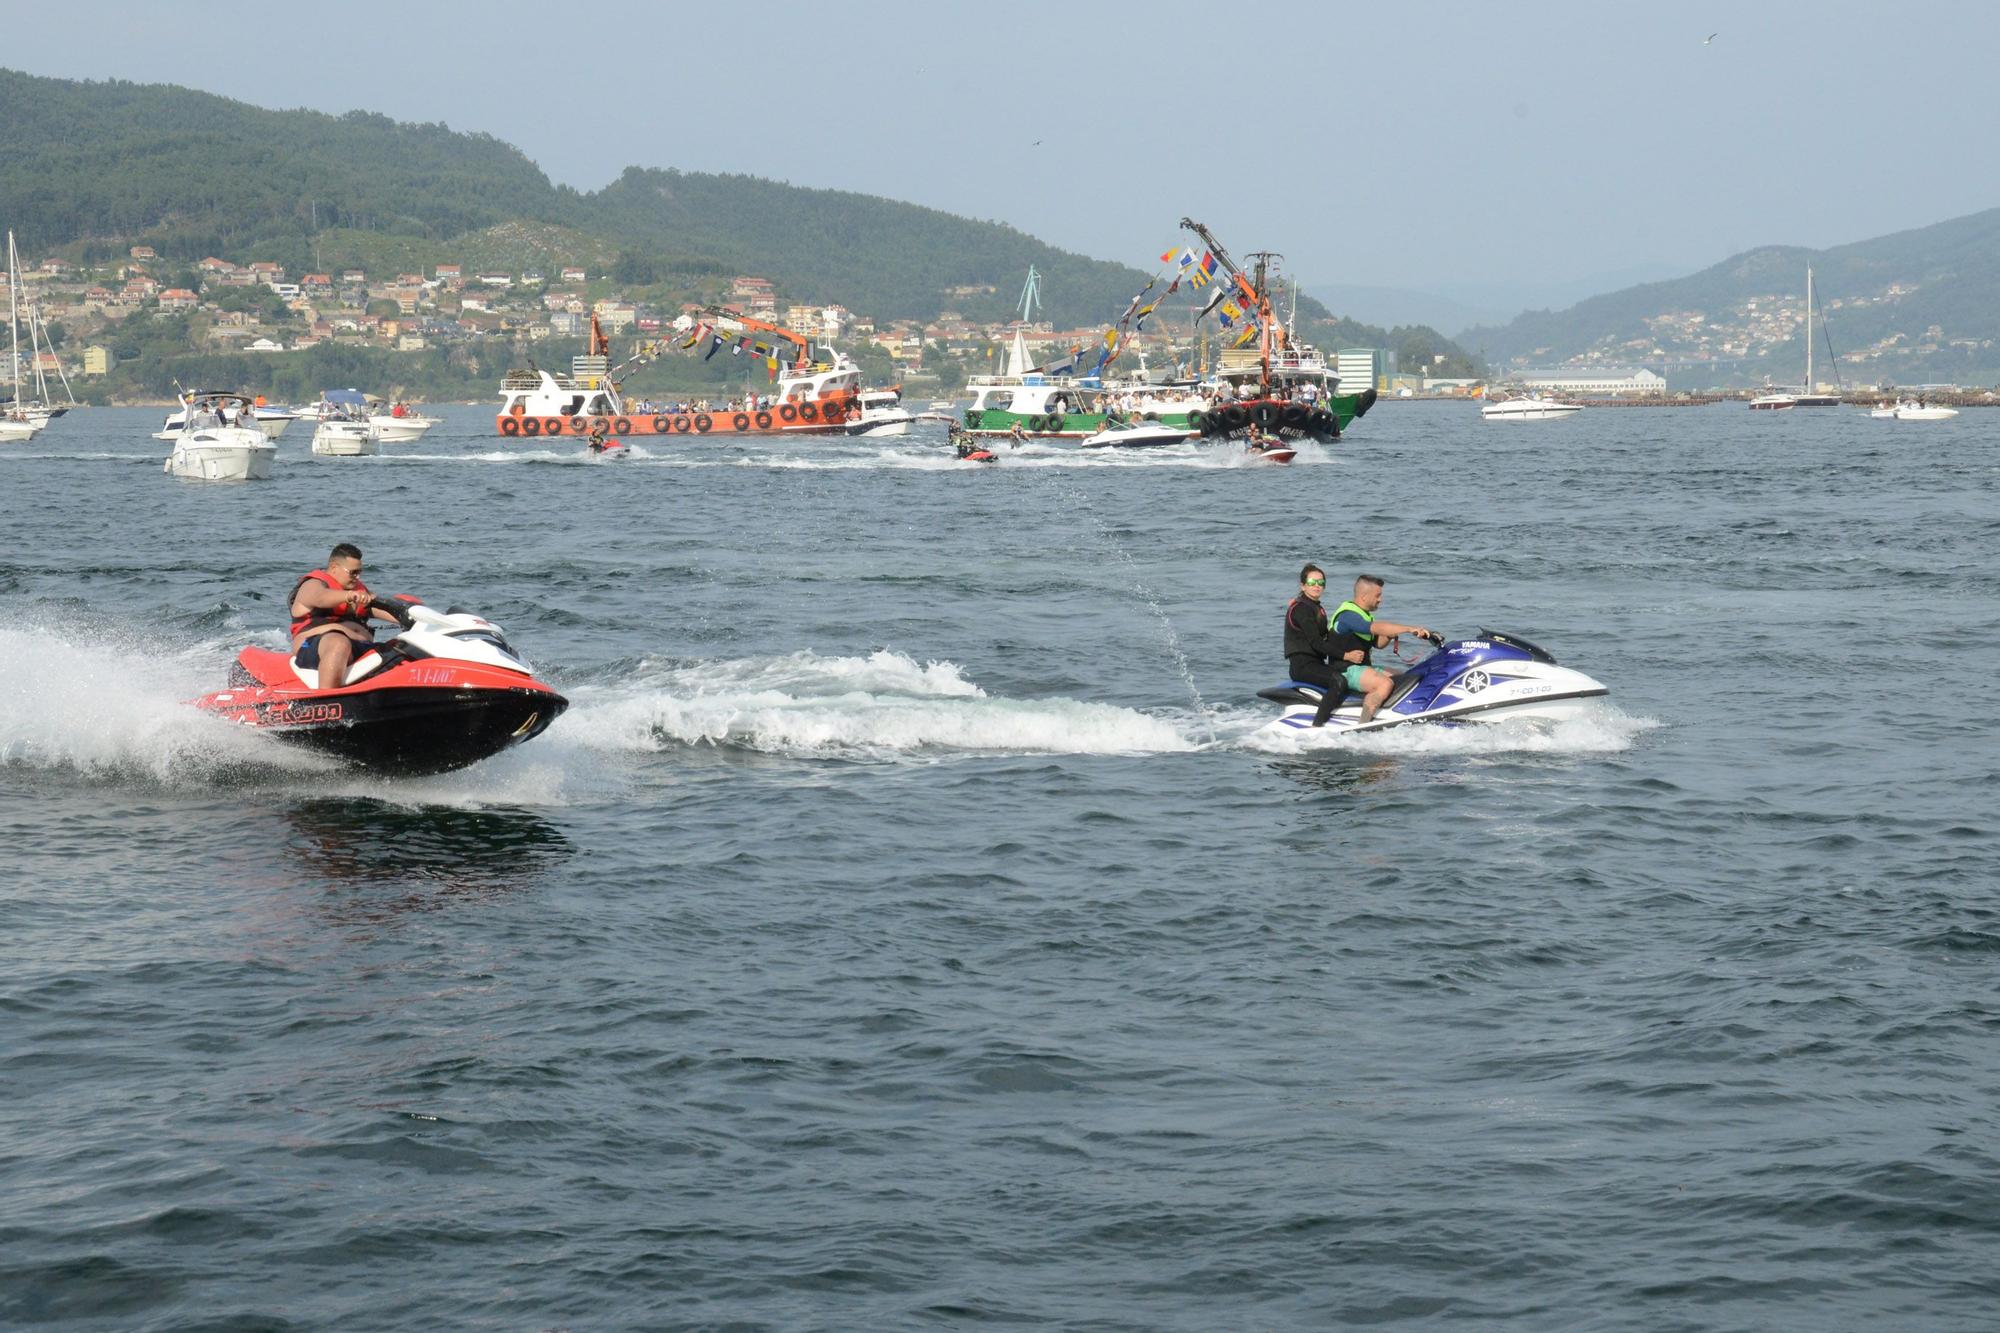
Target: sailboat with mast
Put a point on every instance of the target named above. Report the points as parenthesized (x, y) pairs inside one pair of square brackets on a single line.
[(16, 426), (1783, 401)]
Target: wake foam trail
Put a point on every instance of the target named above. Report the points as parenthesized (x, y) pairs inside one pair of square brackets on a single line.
[(103, 708), (881, 706), (1601, 729)]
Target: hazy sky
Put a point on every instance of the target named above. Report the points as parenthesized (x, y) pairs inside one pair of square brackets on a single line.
[(1439, 145)]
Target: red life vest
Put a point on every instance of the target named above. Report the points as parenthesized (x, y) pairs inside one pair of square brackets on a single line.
[(318, 616)]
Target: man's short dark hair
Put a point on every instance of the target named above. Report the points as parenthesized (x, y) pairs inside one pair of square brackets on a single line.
[(1360, 579), (344, 551), (1311, 569)]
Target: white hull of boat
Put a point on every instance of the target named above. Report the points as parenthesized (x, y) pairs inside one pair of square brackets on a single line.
[(878, 422), (345, 439), (401, 430), (18, 432), (1913, 412), (1528, 409), (1144, 435), (228, 454)]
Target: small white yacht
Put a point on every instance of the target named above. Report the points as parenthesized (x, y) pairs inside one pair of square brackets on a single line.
[(1136, 435), (1913, 410), (269, 420), (345, 429), (212, 446), (1532, 407), (401, 424), (882, 413)]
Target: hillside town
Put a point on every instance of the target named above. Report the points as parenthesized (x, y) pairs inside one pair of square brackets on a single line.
[(256, 306), (102, 315)]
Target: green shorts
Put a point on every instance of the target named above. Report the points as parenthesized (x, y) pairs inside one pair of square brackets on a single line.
[(1353, 676)]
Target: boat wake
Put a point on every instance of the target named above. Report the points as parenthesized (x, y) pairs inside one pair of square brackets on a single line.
[(882, 706), (102, 708)]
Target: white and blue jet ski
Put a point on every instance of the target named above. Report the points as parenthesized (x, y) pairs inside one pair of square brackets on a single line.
[(1493, 678)]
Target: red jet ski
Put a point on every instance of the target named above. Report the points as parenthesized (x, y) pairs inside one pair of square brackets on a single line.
[(446, 692)]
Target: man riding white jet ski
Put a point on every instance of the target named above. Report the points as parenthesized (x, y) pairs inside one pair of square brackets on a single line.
[(1488, 679)]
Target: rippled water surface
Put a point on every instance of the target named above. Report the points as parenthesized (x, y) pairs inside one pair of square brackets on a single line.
[(906, 925)]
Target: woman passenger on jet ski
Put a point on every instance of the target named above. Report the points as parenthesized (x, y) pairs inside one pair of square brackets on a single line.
[(1355, 627), (1311, 649), (330, 609)]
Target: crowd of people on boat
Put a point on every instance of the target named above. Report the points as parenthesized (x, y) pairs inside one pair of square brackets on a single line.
[(748, 402)]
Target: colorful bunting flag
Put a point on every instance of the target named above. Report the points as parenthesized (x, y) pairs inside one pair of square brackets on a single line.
[(1249, 332), (713, 348)]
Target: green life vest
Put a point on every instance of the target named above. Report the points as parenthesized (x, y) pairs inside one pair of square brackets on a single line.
[(1345, 642)]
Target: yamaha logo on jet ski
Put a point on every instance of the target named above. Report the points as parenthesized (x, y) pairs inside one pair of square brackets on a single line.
[(1493, 678), (447, 692)]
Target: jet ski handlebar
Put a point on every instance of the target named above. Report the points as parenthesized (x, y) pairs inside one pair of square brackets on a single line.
[(399, 607)]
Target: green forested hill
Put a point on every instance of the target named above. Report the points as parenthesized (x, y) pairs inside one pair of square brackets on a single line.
[(196, 174), (92, 168), (1904, 308)]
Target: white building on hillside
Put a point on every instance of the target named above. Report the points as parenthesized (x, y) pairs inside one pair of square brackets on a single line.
[(1633, 384)]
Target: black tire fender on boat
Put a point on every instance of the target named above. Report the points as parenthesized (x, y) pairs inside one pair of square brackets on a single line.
[(682, 424), (509, 426), (531, 425), (763, 421), (741, 421), (661, 425), (787, 412), (1151, 416), (808, 412), (1198, 420), (1265, 415), (702, 423), (1056, 421), (1367, 401), (1293, 415), (1236, 416), (622, 426)]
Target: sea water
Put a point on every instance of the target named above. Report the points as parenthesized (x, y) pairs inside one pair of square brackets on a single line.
[(907, 924)]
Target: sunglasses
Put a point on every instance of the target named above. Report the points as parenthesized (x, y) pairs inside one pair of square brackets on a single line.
[(1315, 583)]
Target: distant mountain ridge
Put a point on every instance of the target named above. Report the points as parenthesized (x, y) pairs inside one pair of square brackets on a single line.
[(1914, 306), (96, 167)]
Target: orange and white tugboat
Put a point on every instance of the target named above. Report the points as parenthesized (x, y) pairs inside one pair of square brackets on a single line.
[(811, 397)]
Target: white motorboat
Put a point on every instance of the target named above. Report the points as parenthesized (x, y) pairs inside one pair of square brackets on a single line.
[(270, 421), (882, 413), (210, 447), (1913, 410), (337, 437), (17, 430), (1533, 407), (1137, 435), (401, 424)]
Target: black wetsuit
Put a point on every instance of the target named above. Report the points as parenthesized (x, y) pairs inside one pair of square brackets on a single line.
[(1309, 644)]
